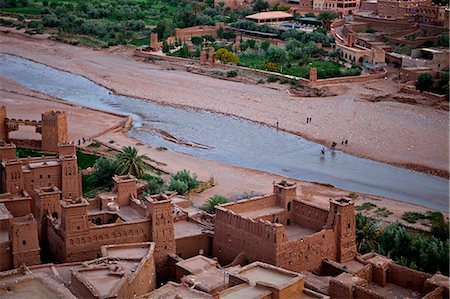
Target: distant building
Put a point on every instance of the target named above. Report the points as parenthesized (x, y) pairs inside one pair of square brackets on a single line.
[(270, 17)]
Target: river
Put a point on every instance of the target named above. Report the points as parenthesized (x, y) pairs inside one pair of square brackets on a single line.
[(234, 140)]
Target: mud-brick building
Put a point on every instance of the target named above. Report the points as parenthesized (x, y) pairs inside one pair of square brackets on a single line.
[(284, 231)]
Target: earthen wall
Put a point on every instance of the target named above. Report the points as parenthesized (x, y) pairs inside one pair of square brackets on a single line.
[(234, 234), (437, 293), (408, 278), (365, 293), (5, 256), (18, 207), (308, 252), (310, 216), (194, 245), (252, 204)]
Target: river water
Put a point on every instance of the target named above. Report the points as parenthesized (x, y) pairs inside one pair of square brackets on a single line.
[(233, 140)]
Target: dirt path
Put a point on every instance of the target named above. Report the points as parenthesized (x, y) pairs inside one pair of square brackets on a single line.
[(396, 133)]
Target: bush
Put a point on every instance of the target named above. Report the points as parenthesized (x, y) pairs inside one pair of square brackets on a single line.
[(232, 73), (424, 82), (225, 56), (365, 206), (272, 66), (277, 55), (413, 217), (155, 184), (179, 186), (186, 177), (196, 40), (214, 201), (272, 79)]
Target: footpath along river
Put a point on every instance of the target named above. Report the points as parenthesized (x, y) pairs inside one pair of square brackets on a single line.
[(233, 140)]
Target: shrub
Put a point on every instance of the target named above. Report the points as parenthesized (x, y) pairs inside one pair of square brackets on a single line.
[(179, 186), (196, 40), (272, 79), (365, 206), (155, 184), (214, 201), (272, 66), (225, 56), (424, 82), (232, 73), (186, 177), (276, 54)]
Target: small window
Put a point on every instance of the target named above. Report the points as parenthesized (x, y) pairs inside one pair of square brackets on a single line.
[(348, 225), (55, 215), (288, 222), (78, 227), (289, 206), (24, 242), (49, 176), (40, 176)]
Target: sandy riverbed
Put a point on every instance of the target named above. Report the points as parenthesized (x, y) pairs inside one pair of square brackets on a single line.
[(396, 133)]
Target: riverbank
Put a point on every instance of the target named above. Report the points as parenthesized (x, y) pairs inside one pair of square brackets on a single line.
[(231, 181), (401, 134)]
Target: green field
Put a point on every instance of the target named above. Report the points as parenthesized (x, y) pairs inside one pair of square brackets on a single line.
[(325, 69)]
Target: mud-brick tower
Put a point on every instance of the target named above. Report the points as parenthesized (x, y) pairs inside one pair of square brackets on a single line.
[(12, 177), (74, 229), (24, 240), (54, 130), (159, 210), (345, 227), (126, 188), (70, 178), (286, 193), (3, 130)]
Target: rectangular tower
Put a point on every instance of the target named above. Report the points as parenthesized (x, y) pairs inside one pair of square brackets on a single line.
[(54, 130)]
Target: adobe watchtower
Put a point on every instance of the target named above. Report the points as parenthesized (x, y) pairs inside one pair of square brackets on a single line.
[(24, 240), (285, 193), (70, 179), (343, 213), (3, 130), (54, 130), (162, 229), (125, 186)]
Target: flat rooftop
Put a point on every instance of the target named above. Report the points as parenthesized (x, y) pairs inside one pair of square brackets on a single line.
[(295, 231), (100, 280), (245, 291), (262, 212), (173, 290), (268, 275), (197, 264), (394, 291), (183, 229), (34, 286), (127, 252)]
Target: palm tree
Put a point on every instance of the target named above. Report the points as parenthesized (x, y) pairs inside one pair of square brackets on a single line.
[(367, 232), (128, 161)]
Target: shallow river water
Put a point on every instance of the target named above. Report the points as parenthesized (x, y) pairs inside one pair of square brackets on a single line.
[(233, 140)]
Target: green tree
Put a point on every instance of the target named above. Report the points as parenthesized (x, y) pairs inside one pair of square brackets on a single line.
[(395, 241), (443, 39), (104, 170), (276, 54), (129, 161), (367, 232), (164, 29), (165, 47), (214, 201), (260, 5), (424, 82), (326, 17), (186, 177)]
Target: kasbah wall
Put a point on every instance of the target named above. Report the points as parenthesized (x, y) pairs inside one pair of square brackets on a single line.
[(263, 239)]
